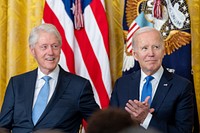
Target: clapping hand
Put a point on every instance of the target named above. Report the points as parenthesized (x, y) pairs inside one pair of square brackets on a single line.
[(138, 110)]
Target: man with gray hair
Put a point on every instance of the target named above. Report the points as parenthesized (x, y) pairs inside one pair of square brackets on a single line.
[(152, 96), (47, 98)]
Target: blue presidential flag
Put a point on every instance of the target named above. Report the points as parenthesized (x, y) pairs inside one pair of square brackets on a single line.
[(172, 19)]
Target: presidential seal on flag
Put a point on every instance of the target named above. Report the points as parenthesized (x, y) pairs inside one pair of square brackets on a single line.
[(170, 17)]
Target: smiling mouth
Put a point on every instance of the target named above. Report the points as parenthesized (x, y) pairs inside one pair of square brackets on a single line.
[(50, 59)]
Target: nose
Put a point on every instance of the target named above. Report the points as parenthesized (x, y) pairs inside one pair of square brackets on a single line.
[(50, 50), (151, 52)]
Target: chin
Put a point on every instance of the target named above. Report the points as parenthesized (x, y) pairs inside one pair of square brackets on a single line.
[(51, 67)]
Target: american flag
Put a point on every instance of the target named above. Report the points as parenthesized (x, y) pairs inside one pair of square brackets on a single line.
[(128, 60), (132, 29), (139, 22), (85, 51)]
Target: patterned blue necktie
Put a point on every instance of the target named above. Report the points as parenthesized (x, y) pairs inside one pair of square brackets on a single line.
[(41, 101), (147, 89)]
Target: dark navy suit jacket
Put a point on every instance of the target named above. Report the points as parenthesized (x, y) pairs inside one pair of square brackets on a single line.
[(173, 101), (71, 102)]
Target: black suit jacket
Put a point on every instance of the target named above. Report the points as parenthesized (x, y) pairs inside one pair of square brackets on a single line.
[(71, 102), (173, 101)]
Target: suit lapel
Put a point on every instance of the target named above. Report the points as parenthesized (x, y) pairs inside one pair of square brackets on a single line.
[(135, 85), (162, 90), (29, 88)]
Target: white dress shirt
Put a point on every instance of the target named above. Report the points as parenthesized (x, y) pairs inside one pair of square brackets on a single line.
[(154, 82), (40, 82)]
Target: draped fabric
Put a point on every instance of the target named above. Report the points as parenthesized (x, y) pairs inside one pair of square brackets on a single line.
[(18, 17), (194, 8), (16, 20), (115, 10)]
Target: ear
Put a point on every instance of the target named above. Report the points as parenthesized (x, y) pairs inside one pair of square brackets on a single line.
[(134, 54), (32, 50), (163, 52)]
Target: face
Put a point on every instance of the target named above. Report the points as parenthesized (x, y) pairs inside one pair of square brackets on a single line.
[(46, 52), (149, 51)]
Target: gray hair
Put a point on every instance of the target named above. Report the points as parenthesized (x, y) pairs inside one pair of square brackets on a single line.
[(143, 30), (49, 28)]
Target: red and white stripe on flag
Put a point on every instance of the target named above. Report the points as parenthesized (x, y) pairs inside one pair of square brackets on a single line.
[(85, 51), (132, 29)]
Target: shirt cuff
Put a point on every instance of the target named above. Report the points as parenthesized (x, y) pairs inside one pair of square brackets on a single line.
[(146, 121)]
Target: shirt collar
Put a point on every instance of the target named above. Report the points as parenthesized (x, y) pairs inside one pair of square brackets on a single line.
[(157, 75), (53, 74)]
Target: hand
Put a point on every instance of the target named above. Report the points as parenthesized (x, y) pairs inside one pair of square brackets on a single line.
[(138, 110)]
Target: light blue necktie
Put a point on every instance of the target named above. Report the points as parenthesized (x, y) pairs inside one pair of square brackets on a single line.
[(147, 89), (41, 101)]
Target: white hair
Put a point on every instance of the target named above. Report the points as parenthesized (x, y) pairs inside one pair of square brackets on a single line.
[(49, 28)]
